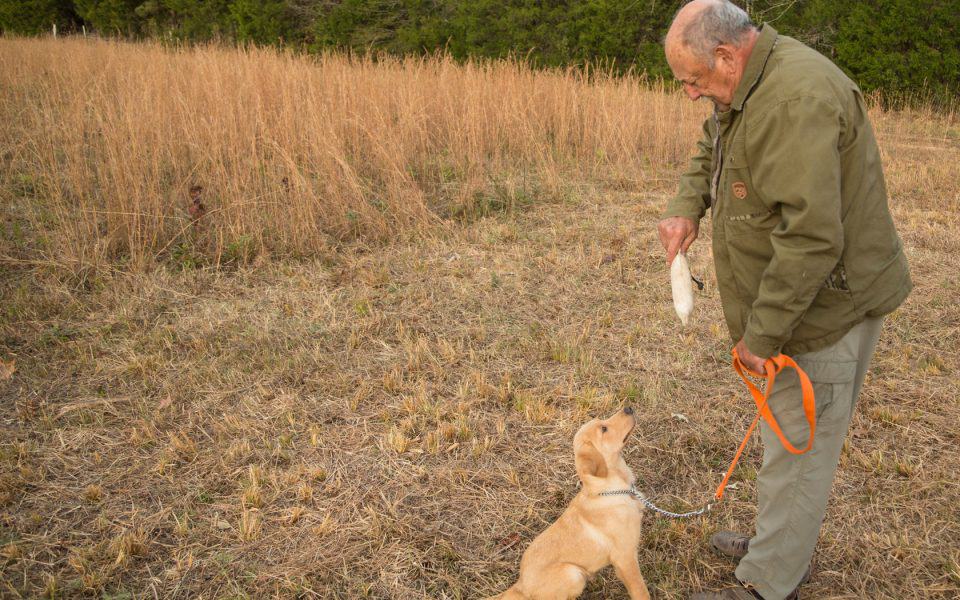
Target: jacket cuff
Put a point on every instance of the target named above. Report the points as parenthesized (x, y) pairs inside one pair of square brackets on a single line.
[(761, 345), (683, 208)]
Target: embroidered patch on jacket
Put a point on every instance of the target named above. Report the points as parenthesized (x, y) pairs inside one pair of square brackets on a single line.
[(740, 190)]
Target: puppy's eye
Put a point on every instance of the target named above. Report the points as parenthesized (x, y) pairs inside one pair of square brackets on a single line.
[(603, 429)]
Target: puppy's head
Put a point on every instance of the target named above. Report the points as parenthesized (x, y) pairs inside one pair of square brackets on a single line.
[(597, 446)]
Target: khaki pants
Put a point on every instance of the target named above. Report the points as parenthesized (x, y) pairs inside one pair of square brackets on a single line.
[(792, 490)]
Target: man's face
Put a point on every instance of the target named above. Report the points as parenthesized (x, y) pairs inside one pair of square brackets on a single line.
[(699, 81)]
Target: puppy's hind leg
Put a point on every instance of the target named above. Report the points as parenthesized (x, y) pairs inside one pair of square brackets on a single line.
[(562, 581)]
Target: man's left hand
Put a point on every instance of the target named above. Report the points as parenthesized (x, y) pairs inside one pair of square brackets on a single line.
[(749, 359)]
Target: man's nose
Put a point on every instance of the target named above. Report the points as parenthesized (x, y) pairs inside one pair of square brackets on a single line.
[(691, 92)]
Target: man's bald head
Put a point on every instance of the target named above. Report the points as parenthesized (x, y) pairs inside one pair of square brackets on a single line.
[(708, 47), (703, 25)]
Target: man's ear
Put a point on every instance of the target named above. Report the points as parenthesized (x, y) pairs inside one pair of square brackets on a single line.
[(590, 462), (724, 57)]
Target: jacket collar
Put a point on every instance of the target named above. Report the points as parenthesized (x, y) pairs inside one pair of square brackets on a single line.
[(755, 65)]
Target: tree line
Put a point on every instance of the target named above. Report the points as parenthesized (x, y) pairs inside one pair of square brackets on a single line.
[(898, 46)]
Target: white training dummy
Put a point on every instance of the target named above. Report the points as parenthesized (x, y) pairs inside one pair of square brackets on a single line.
[(682, 284)]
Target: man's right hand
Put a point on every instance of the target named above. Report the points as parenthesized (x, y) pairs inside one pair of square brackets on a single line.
[(676, 235)]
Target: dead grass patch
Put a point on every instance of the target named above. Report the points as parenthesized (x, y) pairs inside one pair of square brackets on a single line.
[(411, 449)]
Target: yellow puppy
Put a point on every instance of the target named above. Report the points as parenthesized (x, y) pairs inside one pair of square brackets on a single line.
[(595, 530)]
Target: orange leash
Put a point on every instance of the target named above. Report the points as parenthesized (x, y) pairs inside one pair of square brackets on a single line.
[(773, 366)]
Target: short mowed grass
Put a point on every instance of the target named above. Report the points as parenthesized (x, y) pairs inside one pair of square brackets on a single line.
[(393, 418)]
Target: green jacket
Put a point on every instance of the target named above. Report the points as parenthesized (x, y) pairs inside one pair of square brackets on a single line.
[(803, 241)]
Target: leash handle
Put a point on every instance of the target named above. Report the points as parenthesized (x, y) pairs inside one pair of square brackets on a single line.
[(772, 366)]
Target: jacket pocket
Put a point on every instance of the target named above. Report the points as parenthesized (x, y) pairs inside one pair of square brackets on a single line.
[(741, 202), (749, 250), (752, 223), (830, 311)]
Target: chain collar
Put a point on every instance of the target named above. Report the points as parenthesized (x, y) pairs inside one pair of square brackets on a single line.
[(634, 492)]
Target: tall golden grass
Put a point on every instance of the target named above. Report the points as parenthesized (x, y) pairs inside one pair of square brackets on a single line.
[(294, 153)]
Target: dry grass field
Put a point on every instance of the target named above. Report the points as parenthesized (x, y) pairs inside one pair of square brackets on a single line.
[(356, 371)]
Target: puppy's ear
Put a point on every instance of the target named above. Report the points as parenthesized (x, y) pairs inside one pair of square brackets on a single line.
[(590, 462)]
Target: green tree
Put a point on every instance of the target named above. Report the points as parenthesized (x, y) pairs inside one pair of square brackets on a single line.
[(551, 33), (901, 45), (626, 33), (262, 21), (32, 17), (397, 26), (111, 17), (193, 20)]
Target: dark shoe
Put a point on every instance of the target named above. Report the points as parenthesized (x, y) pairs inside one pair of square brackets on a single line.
[(736, 593), (735, 545), (730, 543)]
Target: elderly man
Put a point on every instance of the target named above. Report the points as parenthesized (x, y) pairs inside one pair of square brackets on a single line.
[(807, 257)]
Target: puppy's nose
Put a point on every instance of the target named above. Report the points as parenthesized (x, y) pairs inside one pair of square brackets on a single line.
[(628, 410)]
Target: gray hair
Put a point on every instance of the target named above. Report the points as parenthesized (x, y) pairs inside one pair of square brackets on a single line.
[(720, 22)]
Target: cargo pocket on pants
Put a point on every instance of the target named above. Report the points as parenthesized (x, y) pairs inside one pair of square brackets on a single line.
[(827, 376)]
